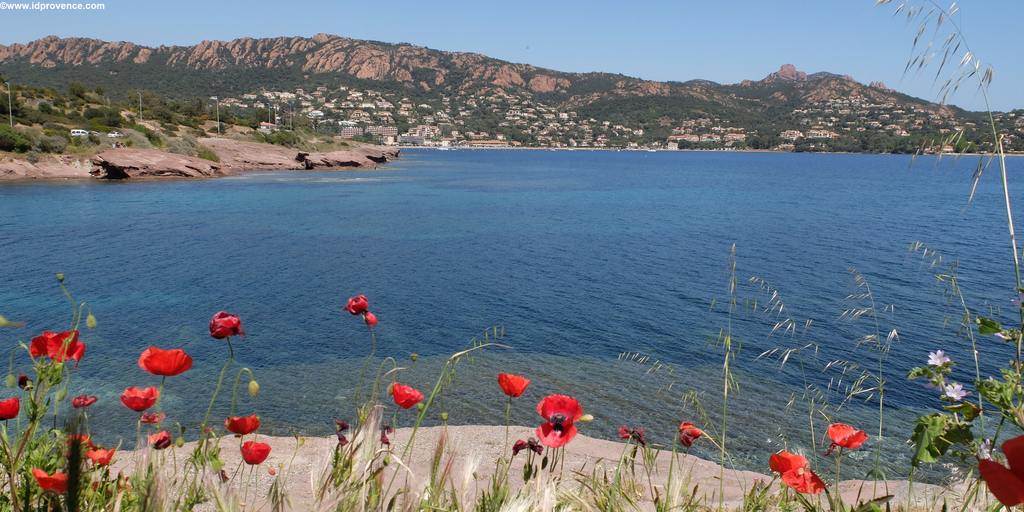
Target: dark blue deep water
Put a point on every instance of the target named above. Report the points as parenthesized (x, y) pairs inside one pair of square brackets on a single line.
[(579, 256)]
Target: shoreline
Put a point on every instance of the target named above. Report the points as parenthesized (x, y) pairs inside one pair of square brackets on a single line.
[(234, 157), (635, 150), (472, 450)]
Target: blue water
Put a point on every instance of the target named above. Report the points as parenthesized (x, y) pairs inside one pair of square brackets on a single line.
[(578, 256)]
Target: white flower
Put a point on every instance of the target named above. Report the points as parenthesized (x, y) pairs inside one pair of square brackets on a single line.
[(955, 391), (985, 449), (937, 358)]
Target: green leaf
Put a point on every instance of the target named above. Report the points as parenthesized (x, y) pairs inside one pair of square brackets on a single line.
[(968, 410), (918, 372), (998, 392), (933, 436), (988, 326)]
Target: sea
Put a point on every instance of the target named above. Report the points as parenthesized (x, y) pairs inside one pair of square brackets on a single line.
[(624, 279)]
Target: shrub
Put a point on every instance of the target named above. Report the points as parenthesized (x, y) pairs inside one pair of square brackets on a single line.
[(52, 144), (12, 140), (281, 138), (206, 153), (182, 146), (153, 137)]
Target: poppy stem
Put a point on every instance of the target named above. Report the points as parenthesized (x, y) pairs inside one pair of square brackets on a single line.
[(209, 409), (160, 393), (839, 497), (366, 363), (508, 419)]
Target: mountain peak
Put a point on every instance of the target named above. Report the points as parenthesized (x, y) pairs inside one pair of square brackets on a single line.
[(786, 73)]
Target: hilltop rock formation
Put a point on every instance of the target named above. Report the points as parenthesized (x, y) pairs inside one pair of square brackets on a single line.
[(786, 73)]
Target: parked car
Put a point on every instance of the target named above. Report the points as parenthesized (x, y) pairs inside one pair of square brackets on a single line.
[(115, 135), (79, 133)]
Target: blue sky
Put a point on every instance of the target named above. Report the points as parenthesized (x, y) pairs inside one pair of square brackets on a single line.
[(724, 41)]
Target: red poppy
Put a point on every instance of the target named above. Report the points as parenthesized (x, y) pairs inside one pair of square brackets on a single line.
[(83, 401), (385, 429), (370, 319), (688, 433), (224, 324), (58, 346), (57, 482), (166, 363), (803, 480), (533, 445), (795, 472), (242, 425), (1006, 484), (784, 462), (845, 436), (139, 400), (559, 413), (405, 396), (255, 453), (160, 440), (357, 305), (152, 418), (512, 385), (100, 456), (638, 434), (9, 408)]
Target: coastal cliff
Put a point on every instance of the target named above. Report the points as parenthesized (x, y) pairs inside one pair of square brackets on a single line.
[(235, 157)]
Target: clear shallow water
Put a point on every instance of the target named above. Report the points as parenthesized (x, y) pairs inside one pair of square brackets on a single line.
[(581, 256)]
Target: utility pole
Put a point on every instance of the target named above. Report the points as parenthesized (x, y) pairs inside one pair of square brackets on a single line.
[(10, 105), (217, 99)]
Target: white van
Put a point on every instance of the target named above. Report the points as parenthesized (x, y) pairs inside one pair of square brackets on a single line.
[(79, 133)]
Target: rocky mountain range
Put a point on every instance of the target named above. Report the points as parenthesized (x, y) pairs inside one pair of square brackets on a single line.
[(246, 64)]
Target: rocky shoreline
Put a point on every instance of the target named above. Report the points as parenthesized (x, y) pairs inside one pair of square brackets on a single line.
[(235, 157)]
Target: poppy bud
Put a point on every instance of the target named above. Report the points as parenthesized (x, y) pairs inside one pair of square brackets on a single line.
[(586, 418), (90, 321), (11, 380), (420, 407), (518, 447), (254, 388), (370, 319), (62, 393), (60, 277), (444, 416), (179, 441), (414, 356)]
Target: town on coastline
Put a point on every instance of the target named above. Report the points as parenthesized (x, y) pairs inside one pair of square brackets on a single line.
[(501, 118)]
